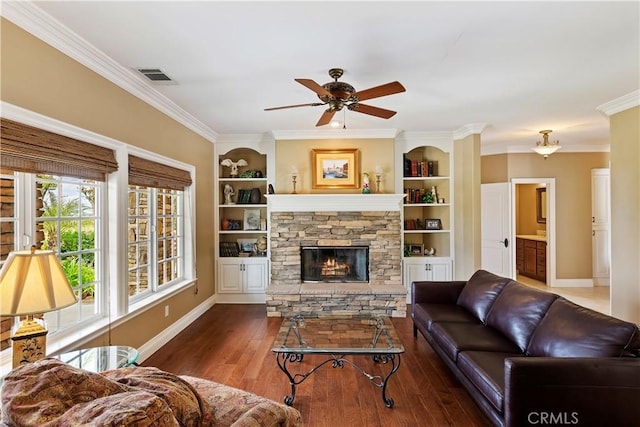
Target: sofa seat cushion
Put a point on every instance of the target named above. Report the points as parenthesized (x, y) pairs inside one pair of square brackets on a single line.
[(518, 310), (133, 408), (240, 408), (480, 293), (185, 402), (456, 337), (569, 330), (485, 370), (427, 313)]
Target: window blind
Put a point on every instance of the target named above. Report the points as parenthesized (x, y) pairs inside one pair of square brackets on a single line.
[(152, 174), (26, 148)]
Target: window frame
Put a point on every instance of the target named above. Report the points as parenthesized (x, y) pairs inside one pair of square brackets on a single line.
[(116, 307)]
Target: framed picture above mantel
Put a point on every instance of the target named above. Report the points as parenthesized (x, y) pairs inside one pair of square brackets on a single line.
[(335, 168)]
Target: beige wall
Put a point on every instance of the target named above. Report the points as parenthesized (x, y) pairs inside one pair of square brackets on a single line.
[(494, 168), (297, 153), (526, 212), (39, 78), (572, 172), (625, 214), (467, 198)]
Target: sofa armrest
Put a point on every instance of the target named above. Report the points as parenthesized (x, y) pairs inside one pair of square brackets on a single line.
[(572, 391), (443, 292)]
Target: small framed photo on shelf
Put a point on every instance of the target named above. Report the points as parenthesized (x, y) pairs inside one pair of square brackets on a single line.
[(247, 245), (251, 219), (432, 224), (416, 250)]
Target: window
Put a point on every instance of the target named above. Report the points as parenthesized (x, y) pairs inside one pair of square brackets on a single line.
[(64, 194), (59, 214), (67, 221), (155, 239), (8, 237)]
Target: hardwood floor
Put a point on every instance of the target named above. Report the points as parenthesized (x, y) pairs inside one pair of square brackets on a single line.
[(231, 344)]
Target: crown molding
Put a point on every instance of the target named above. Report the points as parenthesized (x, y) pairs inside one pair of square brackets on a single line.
[(43, 26), (335, 134), (468, 129), (622, 103)]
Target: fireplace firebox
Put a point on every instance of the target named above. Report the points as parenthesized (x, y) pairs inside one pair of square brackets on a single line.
[(335, 264)]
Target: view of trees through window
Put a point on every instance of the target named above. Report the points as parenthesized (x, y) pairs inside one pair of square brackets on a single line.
[(67, 222)]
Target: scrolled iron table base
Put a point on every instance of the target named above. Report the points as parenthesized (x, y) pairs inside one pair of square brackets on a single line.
[(337, 361)]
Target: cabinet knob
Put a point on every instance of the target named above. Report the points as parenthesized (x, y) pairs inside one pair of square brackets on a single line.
[(506, 243), (593, 219)]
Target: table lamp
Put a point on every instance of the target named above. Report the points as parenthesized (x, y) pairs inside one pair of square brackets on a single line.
[(32, 282)]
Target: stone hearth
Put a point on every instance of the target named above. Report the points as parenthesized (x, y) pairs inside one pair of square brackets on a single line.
[(335, 220)]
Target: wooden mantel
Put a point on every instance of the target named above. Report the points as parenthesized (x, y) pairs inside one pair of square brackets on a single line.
[(334, 202)]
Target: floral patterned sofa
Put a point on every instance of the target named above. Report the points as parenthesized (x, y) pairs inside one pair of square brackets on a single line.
[(51, 393)]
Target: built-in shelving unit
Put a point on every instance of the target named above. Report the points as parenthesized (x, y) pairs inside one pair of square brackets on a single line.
[(424, 174), (241, 220)]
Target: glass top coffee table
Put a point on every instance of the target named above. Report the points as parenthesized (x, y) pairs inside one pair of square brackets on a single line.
[(337, 337), (100, 359)]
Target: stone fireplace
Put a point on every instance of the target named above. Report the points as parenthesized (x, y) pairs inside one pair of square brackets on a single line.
[(334, 264), (334, 222)]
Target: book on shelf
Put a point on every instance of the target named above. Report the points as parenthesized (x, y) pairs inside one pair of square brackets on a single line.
[(229, 249)]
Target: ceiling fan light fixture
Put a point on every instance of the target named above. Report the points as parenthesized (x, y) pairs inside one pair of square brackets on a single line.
[(545, 147)]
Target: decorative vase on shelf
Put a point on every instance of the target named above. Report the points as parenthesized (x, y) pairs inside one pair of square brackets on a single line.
[(256, 195), (365, 185)]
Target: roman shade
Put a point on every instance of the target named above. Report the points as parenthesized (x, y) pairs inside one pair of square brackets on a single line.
[(29, 149), (153, 174)]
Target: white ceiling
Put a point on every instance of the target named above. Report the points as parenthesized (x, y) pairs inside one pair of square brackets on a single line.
[(519, 67)]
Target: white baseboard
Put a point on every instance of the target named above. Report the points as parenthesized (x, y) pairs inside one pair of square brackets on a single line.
[(154, 344), (240, 298), (572, 283)]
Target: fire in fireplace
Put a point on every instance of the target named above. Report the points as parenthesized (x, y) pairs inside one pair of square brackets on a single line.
[(335, 264)]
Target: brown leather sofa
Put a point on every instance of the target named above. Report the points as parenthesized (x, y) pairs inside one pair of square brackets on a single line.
[(529, 357)]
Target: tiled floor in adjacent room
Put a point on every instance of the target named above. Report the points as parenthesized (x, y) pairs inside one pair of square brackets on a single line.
[(595, 298)]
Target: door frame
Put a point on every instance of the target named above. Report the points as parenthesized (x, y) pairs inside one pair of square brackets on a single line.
[(551, 223)]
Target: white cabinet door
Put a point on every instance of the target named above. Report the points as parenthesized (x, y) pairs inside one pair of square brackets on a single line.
[(255, 276), (429, 269), (414, 272), (242, 275), (230, 275), (439, 271)]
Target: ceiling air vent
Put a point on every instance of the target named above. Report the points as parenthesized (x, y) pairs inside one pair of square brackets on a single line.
[(156, 75)]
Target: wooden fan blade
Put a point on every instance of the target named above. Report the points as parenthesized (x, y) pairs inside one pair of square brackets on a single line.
[(326, 117), (312, 104), (372, 111), (378, 91), (310, 84)]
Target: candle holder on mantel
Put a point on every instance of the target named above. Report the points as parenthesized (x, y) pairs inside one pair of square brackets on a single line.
[(294, 177), (378, 173)]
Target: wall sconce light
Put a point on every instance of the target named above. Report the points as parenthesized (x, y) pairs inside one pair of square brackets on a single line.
[(32, 282), (545, 147), (294, 177)]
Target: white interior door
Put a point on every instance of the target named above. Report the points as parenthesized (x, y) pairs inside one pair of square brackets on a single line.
[(497, 246)]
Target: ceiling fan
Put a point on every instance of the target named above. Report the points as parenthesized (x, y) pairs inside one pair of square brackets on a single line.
[(337, 95)]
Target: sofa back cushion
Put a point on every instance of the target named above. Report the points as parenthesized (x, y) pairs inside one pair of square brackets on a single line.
[(569, 330), (480, 292), (518, 310)]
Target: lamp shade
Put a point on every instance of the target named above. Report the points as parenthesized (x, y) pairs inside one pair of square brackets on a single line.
[(33, 282)]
